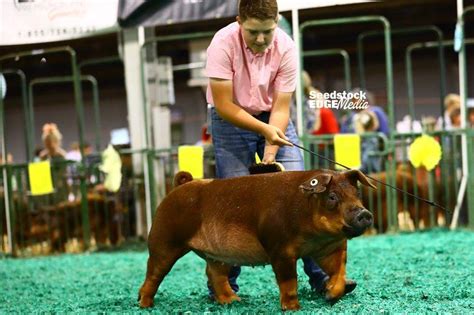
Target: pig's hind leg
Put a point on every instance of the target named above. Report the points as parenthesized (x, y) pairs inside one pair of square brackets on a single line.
[(218, 276), (159, 264)]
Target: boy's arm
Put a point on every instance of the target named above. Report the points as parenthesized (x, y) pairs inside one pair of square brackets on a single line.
[(284, 86), (222, 91), (279, 117)]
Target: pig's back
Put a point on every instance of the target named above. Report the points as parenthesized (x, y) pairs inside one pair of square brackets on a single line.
[(230, 211)]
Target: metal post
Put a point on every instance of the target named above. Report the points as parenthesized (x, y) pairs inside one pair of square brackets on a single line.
[(150, 194), (426, 45), (6, 192), (468, 171), (80, 112), (300, 128), (403, 31), (67, 79), (177, 37), (389, 77), (99, 61), (361, 63), (81, 125), (26, 112), (95, 91), (409, 68), (388, 47), (331, 52)]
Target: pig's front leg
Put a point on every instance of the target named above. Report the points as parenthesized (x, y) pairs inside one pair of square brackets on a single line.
[(285, 272), (334, 265)]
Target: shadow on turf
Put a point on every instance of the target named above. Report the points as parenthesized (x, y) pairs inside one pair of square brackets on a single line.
[(199, 302)]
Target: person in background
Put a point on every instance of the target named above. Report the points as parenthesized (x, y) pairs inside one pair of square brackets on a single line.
[(209, 158), (74, 154), (206, 138), (454, 115), (470, 113), (430, 124), (452, 112), (319, 120), (9, 159), (451, 103), (370, 119), (53, 152), (348, 124), (52, 138)]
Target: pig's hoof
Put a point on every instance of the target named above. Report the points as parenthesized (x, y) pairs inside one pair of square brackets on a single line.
[(350, 286), (227, 299), (145, 301), (330, 299), (292, 305)]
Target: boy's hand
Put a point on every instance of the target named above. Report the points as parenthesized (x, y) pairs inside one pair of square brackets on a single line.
[(275, 136), (268, 158)]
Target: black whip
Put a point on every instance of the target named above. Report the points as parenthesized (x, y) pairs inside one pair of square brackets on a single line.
[(432, 203)]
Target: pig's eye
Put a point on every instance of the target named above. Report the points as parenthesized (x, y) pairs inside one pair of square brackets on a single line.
[(313, 182), (332, 200)]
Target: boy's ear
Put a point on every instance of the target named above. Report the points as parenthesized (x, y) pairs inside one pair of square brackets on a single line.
[(237, 18)]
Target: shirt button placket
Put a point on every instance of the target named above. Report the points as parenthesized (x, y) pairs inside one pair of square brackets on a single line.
[(253, 74), (252, 81)]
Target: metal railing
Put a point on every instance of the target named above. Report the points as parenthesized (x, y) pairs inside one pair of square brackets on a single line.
[(80, 115), (44, 81)]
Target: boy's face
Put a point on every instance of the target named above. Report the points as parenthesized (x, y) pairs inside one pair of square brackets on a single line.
[(258, 35)]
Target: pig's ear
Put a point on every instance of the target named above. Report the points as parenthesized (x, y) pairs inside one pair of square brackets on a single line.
[(356, 175), (317, 184)]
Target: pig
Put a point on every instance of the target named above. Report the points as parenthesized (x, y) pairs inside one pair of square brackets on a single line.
[(272, 218)]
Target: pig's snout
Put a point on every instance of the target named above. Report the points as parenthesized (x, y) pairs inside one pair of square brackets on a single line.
[(363, 219), (360, 221)]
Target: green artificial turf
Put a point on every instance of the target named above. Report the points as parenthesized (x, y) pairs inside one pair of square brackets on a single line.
[(421, 272)]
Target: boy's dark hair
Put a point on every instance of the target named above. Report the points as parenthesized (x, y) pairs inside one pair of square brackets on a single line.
[(258, 9)]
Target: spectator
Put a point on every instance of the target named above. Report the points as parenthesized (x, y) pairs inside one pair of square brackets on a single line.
[(454, 115), (206, 138), (74, 154), (371, 119), (36, 153), (347, 126), (470, 112), (9, 159), (320, 120), (452, 112), (209, 159), (429, 123), (451, 103), (52, 143), (55, 154)]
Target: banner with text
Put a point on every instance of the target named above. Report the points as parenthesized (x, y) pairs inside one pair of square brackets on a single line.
[(37, 21)]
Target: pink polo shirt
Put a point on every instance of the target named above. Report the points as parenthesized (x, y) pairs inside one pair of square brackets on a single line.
[(255, 76)]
